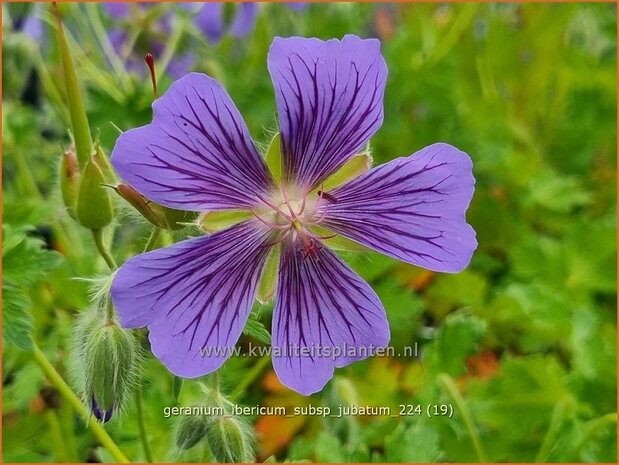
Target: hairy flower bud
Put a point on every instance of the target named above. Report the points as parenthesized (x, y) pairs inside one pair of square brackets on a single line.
[(94, 207), (70, 181), (191, 430), (230, 439), (107, 358), (158, 215), (149, 210)]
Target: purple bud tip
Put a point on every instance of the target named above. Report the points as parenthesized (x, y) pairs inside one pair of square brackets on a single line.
[(101, 415)]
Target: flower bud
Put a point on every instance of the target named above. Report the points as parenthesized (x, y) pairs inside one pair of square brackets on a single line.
[(108, 359), (94, 207), (230, 439), (103, 162), (149, 210), (191, 430), (158, 215), (70, 181)]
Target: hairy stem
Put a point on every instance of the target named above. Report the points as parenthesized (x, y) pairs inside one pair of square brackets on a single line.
[(66, 392), (142, 425), (97, 234), (152, 239), (251, 376), (150, 245), (448, 382)]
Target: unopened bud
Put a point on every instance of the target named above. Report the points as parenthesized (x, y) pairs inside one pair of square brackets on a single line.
[(70, 181), (191, 430), (230, 439), (104, 163), (94, 207), (149, 210), (108, 358), (158, 215)]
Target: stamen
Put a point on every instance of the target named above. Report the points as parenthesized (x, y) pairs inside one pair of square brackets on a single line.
[(287, 202), (269, 224), (327, 196)]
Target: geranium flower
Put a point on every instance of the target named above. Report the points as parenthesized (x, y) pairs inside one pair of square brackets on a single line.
[(197, 155)]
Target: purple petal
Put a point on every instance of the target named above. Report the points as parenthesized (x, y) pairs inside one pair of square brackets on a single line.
[(322, 305), (117, 10), (210, 21), (33, 25), (181, 65), (329, 100), (196, 154), (117, 38), (297, 6), (244, 19), (195, 295), (411, 208), (101, 415)]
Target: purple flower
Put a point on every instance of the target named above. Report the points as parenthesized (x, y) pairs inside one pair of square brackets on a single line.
[(210, 20), (152, 39), (197, 154)]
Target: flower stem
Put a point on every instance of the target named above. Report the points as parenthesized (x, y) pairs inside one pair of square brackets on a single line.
[(448, 382), (97, 234), (553, 430), (66, 392), (152, 239), (142, 425), (250, 378)]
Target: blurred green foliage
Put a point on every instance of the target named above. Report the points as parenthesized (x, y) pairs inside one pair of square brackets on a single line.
[(527, 334)]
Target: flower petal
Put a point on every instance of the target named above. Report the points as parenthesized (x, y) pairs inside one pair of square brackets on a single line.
[(196, 154), (244, 19), (210, 21), (411, 208), (329, 99), (322, 307), (194, 296)]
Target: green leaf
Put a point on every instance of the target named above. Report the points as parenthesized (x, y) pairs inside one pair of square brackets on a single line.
[(256, 329), (24, 262), (413, 444), (16, 319), (458, 337), (274, 158)]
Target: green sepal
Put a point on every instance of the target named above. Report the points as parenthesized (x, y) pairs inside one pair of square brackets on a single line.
[(69, 182), (353, 168), (94, 206), (110, 361), (77, 112), (191, 430), (337, 242), (218, 220), (268, 282), (177, 219), (104, 163), (230, 439), (274, 158)]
